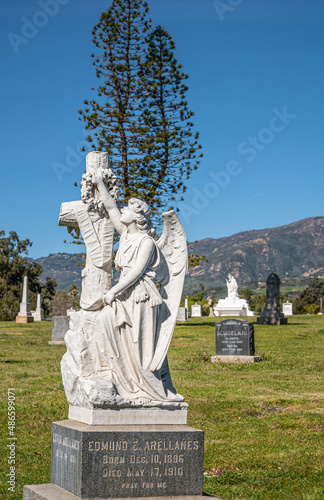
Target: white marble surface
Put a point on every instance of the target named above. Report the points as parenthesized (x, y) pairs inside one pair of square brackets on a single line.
[(39, 315), (287, 309), (117, 344), (24, 304), (196, 311), (129, 416), (232, 305), (182, 314), (24, 315)]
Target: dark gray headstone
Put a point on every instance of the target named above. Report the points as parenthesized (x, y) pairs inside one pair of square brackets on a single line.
[(127, 461), (271, 314), (60, 325), (234, 337)]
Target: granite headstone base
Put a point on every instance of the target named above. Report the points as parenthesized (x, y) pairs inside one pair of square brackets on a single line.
[(124, 461), (235, 359), (268, 320), (52, 492)]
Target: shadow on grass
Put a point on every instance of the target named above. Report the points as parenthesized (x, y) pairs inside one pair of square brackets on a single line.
[(11, 361), (198, 323)]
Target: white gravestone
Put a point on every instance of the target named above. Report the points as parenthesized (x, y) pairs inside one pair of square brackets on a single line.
[(25, 315), (232, 305), (182, 314), (39, 315), (287, 309), (187, 305), (196, 311), (116, 369)]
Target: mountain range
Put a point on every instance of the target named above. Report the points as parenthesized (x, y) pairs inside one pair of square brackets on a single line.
[(292, 251)]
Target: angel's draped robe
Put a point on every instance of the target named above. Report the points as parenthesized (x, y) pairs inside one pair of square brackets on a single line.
[(126, 331)]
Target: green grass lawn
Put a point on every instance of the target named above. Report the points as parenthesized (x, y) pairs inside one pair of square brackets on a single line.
[(263, 422)]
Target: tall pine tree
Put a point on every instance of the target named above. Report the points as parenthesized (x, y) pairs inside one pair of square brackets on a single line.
[(141, 115), (170, 146), (120, 38)]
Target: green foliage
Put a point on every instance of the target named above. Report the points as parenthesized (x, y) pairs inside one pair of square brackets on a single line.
[(257, 303), (13, 267), (198, 299), (47, 291), (169, 144), (311, 308), (309, 297), (73, 292), (245, 293), (194, 259), (140, 115)]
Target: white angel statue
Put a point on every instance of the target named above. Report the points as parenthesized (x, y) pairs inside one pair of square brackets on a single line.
[(232, 287), (133, 330)]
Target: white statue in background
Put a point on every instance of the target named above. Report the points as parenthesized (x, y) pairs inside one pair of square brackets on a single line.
[(116, 352), (232, 288), (232, 305)]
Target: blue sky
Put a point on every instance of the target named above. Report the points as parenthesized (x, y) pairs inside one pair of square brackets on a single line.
[(256, 79)]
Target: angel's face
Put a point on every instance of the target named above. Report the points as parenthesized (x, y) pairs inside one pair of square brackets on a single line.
[(127, 215)]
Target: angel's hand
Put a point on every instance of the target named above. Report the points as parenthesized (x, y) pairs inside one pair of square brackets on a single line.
[(109, 298), (141, 297), (97, 177)]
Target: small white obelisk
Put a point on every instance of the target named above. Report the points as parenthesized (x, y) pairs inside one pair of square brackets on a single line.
[(39, 315), (24, 315), (187, 305)]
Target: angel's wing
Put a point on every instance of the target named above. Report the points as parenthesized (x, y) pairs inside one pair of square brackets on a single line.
[(170, 275)]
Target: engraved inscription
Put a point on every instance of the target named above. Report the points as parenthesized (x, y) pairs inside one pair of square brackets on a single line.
[(155, 459), (234, 338), (107, 445)]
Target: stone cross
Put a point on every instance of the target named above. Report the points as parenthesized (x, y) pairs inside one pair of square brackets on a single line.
[(24, 315), (98, 234)]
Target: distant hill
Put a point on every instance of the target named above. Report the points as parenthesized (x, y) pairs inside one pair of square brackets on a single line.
[(63, 267), (292, 251)]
